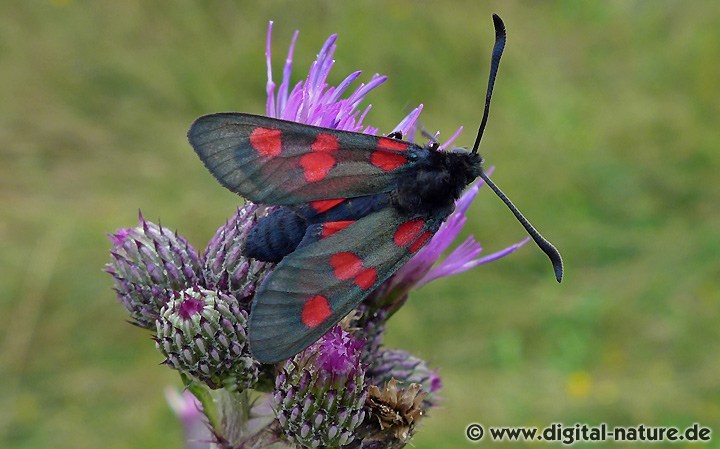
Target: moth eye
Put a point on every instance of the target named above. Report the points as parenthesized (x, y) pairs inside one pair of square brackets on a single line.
[(433, 145)]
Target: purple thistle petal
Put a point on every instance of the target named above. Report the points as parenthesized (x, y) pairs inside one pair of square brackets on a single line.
[(461, 265), (270, 87), (451, 139), (321, 66), (293, 103), (285, 85), (342, 87), (408, 124), (468, 197), (467, 250), (362, 117), (190, 307), (364, 89), (338, 353), (313, 101)]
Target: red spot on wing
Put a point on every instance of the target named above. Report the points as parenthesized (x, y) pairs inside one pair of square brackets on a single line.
[(417, 244), (366, 278), (315, 311), (387, 160), (408, 232), (385, 143), (266, 141), (346, 265), (325, 142), (331, 227), (321, 206), (316, 165)]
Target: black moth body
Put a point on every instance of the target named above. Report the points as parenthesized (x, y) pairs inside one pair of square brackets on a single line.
[(430, 191), (350, 210)]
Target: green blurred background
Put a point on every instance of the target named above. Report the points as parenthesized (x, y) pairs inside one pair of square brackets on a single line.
[(604, 132)]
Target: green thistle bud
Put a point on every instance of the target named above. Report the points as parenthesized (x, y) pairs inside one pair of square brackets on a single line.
[(203, 333), (320, 393), (225, 268), (397, 364), (148, 263)]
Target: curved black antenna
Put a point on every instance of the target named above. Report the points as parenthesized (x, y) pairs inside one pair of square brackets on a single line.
[(547, 247), (500, 39)]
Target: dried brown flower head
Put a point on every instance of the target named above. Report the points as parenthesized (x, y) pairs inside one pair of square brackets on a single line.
[(397, 408)]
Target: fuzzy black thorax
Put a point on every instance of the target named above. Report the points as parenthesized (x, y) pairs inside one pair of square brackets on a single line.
[(438, 181)]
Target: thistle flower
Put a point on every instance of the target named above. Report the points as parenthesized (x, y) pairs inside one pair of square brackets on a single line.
[(320, 393), (202, 333), (148, 263), (224, 266)]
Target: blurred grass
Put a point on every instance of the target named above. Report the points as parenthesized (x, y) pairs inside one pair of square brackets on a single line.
[(603, 131)]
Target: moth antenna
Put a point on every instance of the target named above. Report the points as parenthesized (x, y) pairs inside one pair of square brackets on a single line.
[(547, 247), (500, 39)]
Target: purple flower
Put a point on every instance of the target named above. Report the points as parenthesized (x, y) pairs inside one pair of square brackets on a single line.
[(314, 102), (320, 393), (338, 353)]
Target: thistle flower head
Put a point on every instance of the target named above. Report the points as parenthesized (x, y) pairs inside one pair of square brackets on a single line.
[(338, 353), (320, 393), (203, 333), (148, 262), (224, 266)]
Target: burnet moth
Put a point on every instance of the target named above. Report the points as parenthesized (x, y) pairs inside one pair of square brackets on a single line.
[(353, 209)]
